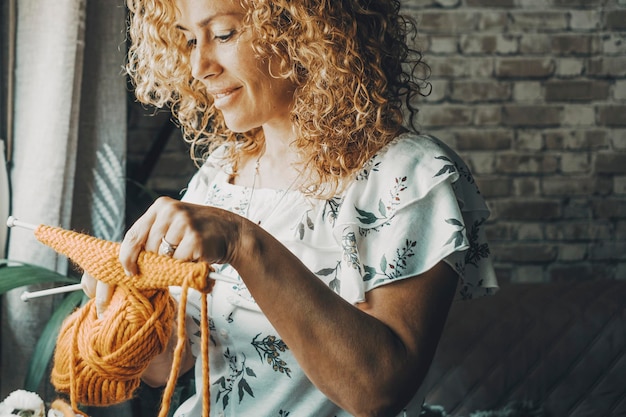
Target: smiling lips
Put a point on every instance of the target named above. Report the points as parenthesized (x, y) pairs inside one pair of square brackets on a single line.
[(223, 96)]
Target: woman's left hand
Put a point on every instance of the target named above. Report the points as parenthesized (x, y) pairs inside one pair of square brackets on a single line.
[(192, 232), (99, 290)]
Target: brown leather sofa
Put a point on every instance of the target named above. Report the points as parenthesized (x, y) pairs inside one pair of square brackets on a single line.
[(560, 346)]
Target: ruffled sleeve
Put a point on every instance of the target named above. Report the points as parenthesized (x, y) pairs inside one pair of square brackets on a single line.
[(413, 205)]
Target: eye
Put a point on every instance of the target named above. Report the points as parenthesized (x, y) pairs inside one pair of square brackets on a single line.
[(226, 36)]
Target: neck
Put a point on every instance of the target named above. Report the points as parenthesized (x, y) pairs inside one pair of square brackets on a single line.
[(276, 165), (278, 161), (278, 139)]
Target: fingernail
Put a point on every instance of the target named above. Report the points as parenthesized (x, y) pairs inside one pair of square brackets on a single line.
[(127, 272)]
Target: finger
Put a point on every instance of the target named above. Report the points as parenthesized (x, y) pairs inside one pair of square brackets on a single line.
[(134, 242), (88, 283), (160, 216), (103, 297), (188, 249), (171, 239)]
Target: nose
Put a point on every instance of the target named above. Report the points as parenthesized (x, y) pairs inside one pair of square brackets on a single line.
[(204, 63)]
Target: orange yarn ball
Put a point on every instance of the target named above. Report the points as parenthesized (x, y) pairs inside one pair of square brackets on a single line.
[(108, 355)]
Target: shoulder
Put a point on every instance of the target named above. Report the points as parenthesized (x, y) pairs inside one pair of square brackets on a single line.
[(411, 165), (424, 154)]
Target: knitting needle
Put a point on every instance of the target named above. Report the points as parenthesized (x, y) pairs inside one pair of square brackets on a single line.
[(12, 221), (26, 295)]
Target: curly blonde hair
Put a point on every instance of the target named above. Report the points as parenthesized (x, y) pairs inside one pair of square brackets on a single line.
[(356, 79)]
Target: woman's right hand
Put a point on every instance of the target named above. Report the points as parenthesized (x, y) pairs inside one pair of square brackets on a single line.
[(99, 290), (192, 232)]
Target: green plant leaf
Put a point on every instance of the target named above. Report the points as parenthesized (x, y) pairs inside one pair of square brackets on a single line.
[(44, 349), (16, 274)]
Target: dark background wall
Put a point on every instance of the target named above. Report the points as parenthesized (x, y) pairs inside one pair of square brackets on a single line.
[(532, 93)]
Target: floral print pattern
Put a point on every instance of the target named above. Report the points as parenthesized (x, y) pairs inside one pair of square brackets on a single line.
[(411, 206)]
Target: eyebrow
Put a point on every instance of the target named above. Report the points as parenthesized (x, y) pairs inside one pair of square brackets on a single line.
[(206, 21)]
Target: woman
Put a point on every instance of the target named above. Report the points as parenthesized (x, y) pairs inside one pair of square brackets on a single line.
[(348, 233)]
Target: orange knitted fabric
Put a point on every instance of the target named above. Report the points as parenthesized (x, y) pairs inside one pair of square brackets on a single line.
[(99, 361)]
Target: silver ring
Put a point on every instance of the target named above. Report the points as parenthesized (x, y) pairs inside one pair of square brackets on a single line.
[(166, 248)]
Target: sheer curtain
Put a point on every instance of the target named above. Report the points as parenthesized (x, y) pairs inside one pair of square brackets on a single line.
[(68, 149)]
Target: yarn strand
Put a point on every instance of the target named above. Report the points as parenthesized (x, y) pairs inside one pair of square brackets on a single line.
[(178, 353), (204, 340)]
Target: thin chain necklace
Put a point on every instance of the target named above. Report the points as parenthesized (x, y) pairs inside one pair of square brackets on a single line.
[(254, 180)]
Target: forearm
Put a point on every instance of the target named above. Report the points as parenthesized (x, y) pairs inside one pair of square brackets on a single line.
[(357, 360)]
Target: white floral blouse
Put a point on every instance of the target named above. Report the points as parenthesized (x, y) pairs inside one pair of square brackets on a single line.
[(413, 204)]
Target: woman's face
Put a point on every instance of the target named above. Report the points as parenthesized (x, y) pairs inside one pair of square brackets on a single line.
[(223, 60)]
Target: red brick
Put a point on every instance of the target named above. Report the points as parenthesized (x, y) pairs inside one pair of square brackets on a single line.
[(539, 21), (447, 22), (479, 67), (529, 232), (531, 116), (608, 251), (615, 20), (526, 210), (612, 115), (576, 90), (492, 187), (480, 91), (593, 139), (569, 186), (525, 67), (442, 44), (574, 44), (571, 272), (491, 3), (585, 20), (483, 140), (579, 3), (493, 20), (526, 186), (526, 164), (445, 116), (617, 139), (575, 163), (610, 163), (609, 67), (525, 252), (608, 208), (421, 4), (478, 44), (535, 44), (528, 140), (577, 208), (487, 116), (499, 231), (614, 44), (621, 228), (583, 230), (480, 163)]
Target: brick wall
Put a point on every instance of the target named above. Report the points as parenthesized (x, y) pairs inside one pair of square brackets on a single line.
[(532, 93)]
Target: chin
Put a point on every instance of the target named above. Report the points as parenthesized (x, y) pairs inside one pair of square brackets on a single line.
[(237, 126)]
